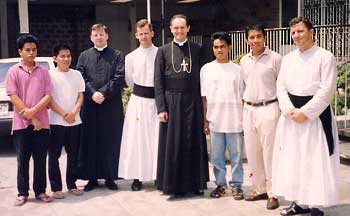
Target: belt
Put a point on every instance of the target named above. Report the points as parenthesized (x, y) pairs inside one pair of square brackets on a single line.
[(325, 117), (263, 103), (143, 91), (181, 85)]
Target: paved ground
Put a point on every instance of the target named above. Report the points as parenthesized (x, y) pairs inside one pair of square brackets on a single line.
[(149, 201)]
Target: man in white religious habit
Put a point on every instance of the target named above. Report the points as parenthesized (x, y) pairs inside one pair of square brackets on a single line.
[(139, 147), (306, 156)]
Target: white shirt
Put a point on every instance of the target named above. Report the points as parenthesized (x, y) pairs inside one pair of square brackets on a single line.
[(65, 90), (312, 72), (260, 75), (139, 66), (222, 85)]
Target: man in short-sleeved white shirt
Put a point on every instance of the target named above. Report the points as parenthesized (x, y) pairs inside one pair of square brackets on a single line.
[(67, 97), (221, 90)]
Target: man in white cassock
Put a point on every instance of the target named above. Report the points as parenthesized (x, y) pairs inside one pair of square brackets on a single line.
[(139, 147), (306, 156)]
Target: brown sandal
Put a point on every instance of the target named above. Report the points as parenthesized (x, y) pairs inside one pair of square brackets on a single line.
[(217, 192), (21, 200), (76, 192), (44, 198), (58, 195)]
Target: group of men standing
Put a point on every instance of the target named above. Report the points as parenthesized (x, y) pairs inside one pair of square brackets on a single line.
[(176, 103)]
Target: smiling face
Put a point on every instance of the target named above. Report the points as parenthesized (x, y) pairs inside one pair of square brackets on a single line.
[(99, 37), (221, 50), (179, 29), (144, 35), (256, 41), (28, 53), (63, 60), (302, 36)]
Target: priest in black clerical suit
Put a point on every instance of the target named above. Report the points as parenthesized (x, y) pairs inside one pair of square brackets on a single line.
[(182, 151), (102, 113)]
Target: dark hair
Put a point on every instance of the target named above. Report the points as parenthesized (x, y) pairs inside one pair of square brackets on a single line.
[(308, 24), (98, 26), (179, 16), (257, 27), (142, 23), (26, 38), (60, 47), (221, 36)]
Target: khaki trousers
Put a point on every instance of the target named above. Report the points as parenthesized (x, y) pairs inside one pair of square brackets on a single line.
[(259, 124)]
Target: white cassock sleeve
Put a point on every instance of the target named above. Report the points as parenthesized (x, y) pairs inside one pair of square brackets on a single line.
[(325, 93), (282, 93), (202, 81), (129, 71)]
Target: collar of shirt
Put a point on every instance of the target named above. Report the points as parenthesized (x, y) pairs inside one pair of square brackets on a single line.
[(24, 68), (100, 49), (146, 48), (305, 52), (265, 52), (180, 43)]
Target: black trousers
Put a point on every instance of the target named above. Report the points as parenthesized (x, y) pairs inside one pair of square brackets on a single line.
[(69, 137), (31, 143)]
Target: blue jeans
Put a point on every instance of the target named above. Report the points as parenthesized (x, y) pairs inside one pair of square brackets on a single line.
[(219, 143)]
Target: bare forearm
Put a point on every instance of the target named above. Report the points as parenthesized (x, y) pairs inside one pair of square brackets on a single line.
[(79, 103), (17, 102), (56, 108), (42, 103), (204, 102)]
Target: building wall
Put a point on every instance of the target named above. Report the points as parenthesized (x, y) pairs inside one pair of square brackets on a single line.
[(70, 23), (116, 18), (54, 24)]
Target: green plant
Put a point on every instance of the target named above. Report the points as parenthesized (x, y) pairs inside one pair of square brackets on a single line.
[(237, 59), (126, 97), (342, 95)]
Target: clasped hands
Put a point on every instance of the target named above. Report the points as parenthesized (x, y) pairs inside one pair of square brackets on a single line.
[(297, 115), (69, 117), (28, 113), (98, 97)]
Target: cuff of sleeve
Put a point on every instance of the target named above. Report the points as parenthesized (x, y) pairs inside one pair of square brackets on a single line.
[(162, 110), (9, 93), (309, 114)]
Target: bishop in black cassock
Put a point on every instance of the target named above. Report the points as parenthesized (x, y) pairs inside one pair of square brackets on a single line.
[(182, 151)]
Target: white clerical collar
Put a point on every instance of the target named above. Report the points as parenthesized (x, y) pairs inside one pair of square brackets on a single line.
[(100, 49), (180, 43)]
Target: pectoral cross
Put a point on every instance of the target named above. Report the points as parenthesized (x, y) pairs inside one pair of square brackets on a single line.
[(184, 65)]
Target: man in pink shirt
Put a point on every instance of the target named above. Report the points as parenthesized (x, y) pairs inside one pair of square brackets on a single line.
[(28, 85)]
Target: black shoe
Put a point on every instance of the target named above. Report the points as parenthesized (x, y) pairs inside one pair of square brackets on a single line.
[(198, 192), (179, 195), (294, 209), (136, 185), (316, 212), (92, 184), (111, 185)]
